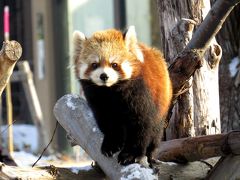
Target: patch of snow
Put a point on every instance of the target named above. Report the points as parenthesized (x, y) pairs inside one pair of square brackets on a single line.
[(83, 168), (25, 137), (69, 102), (233, 66), (75, 96), (24, 159), (94, 129), (136, 171)]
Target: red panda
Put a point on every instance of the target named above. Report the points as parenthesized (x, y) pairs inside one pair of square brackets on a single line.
[(128, 88)]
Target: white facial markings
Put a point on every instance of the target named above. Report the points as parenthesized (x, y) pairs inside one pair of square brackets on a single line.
[(127, 69), (82, 70), (113, 76)]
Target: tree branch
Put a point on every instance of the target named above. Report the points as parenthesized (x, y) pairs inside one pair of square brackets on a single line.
[(211, 24), (201, 147)]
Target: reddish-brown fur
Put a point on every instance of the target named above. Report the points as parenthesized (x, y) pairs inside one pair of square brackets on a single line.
[(156, 76)]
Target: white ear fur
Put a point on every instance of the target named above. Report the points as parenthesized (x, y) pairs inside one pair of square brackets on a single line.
[(131, 43), (130, 37), (78, 36), (78, 39)]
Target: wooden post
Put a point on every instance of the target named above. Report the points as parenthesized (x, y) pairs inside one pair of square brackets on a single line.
[(11, 51), (33, 102)]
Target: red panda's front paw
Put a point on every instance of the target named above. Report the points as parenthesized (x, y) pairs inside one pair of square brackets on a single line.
[(109, 148), (125, 158)]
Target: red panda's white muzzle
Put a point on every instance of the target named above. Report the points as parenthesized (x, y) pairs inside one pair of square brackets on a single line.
[(104, 76)]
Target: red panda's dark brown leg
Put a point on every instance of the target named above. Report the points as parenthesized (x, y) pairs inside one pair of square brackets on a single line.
[(155, 142), (136, 144), (112, 143)]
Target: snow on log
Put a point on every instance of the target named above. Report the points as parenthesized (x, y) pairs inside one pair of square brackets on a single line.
[(75, 116)]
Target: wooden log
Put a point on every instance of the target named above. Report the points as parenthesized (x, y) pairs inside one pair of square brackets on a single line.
[(75, 116), (11, 52), (202, 147)]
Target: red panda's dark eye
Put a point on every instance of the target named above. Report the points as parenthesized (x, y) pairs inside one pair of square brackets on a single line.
[(94, 65), (114, 65)]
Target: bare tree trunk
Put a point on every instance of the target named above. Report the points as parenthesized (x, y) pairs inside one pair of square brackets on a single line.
[(194, 113), (229, 72)]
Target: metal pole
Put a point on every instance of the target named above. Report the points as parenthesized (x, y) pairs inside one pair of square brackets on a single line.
[(8, 87)]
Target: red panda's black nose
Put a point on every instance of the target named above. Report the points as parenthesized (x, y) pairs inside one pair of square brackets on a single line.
[(104, 77)]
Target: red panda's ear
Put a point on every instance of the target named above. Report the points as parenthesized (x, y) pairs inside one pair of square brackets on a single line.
[(130, 38), (78, 39)]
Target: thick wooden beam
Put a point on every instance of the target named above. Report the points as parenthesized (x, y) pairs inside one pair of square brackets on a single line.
[(11, 52), (201, 147)]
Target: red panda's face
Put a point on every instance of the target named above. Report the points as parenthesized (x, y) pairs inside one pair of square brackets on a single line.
[(107, 57), (105, 70)]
